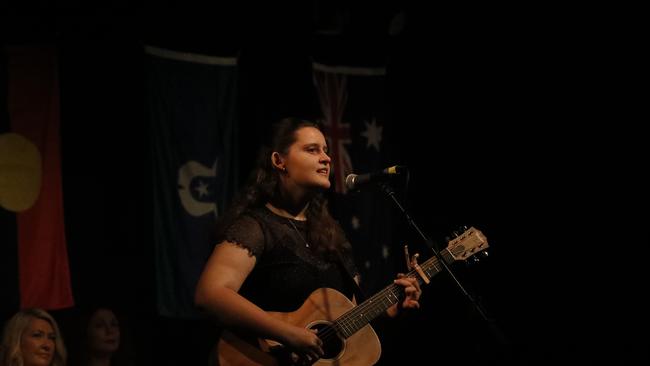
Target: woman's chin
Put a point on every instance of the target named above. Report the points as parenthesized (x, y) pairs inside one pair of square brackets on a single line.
[(326, 184)]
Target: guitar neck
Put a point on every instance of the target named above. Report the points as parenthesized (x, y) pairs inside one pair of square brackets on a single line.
[(359, 316)]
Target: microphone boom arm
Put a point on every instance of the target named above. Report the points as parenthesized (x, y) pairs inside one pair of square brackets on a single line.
[(391, 193)]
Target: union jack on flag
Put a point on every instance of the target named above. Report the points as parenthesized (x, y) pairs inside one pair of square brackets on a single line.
[(353, 102), (332, 93)]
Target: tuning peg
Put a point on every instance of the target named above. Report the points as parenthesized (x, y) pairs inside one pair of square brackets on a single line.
[(483, 254), (475, 259), (459, 231)]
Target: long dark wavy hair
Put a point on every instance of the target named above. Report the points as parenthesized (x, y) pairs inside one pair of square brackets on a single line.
[(323, 232)]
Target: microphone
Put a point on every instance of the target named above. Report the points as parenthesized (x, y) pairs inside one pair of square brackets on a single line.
[(354, 181)]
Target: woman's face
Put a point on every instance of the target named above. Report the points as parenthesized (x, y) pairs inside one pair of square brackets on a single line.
[(103, 332), (307, 163), (37, 343)]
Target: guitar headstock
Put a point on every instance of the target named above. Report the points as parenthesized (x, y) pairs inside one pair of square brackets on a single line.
[(465, 245)]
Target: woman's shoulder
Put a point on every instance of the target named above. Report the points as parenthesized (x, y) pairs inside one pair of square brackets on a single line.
[(250, 219), (262, 215), (255, 213), (256, 219)]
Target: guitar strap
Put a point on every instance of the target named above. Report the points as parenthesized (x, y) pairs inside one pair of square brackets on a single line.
[(358, 292)]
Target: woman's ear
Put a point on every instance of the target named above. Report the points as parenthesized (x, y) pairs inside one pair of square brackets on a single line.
[(277, 161)]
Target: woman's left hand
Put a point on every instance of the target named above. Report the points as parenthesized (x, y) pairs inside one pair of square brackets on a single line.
[(412, 294)]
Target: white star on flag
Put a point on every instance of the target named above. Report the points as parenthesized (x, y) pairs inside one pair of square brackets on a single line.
[(372, 134), (385, 251), (202, 189), (355, 223)]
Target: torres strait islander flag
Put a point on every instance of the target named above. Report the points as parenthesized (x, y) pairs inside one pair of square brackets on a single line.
[(191, 100)]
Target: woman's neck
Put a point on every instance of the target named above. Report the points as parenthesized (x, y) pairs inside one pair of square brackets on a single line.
[(292, 213)]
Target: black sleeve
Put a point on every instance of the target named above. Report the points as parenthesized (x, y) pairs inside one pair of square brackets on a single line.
[(247, 233)]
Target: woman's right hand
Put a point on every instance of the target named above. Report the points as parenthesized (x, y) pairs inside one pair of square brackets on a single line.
[(305, 343)]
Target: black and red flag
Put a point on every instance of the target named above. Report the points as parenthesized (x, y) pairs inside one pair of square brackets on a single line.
[(34, 258)]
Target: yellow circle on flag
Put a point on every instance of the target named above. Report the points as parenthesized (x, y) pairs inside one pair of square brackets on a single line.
[(20, 172)]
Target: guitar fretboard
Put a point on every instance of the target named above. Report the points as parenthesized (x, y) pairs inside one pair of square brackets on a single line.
[(359, 316)]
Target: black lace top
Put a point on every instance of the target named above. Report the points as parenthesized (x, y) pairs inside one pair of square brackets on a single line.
[(287, 270)]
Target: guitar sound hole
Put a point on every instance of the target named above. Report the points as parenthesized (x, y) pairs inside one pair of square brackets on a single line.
[(332, 343)]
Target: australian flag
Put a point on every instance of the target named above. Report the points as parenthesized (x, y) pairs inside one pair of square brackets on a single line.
[(353, 104)]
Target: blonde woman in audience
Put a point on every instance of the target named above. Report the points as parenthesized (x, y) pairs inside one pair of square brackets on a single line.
[(32, 338)]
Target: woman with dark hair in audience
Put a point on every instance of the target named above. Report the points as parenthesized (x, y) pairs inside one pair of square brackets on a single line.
[(100, 339)]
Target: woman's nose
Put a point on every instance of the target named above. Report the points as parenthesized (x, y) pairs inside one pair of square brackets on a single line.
[(326, 158), (48, 345)]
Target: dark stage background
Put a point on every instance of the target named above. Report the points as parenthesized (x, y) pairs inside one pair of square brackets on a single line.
[(507, 126)]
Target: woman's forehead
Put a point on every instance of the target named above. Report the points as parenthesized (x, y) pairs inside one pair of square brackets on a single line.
[(309, 135), (40, 324)]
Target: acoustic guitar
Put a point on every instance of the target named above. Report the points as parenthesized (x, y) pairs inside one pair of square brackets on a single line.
[(348, 339)]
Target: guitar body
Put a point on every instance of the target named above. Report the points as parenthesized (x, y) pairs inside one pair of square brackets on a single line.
[(321, 307)]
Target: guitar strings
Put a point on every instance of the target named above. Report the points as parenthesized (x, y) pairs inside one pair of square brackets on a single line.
[(342, 321), (331, 331)]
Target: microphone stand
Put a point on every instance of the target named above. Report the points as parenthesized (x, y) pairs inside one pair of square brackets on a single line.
[(386, 188)]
